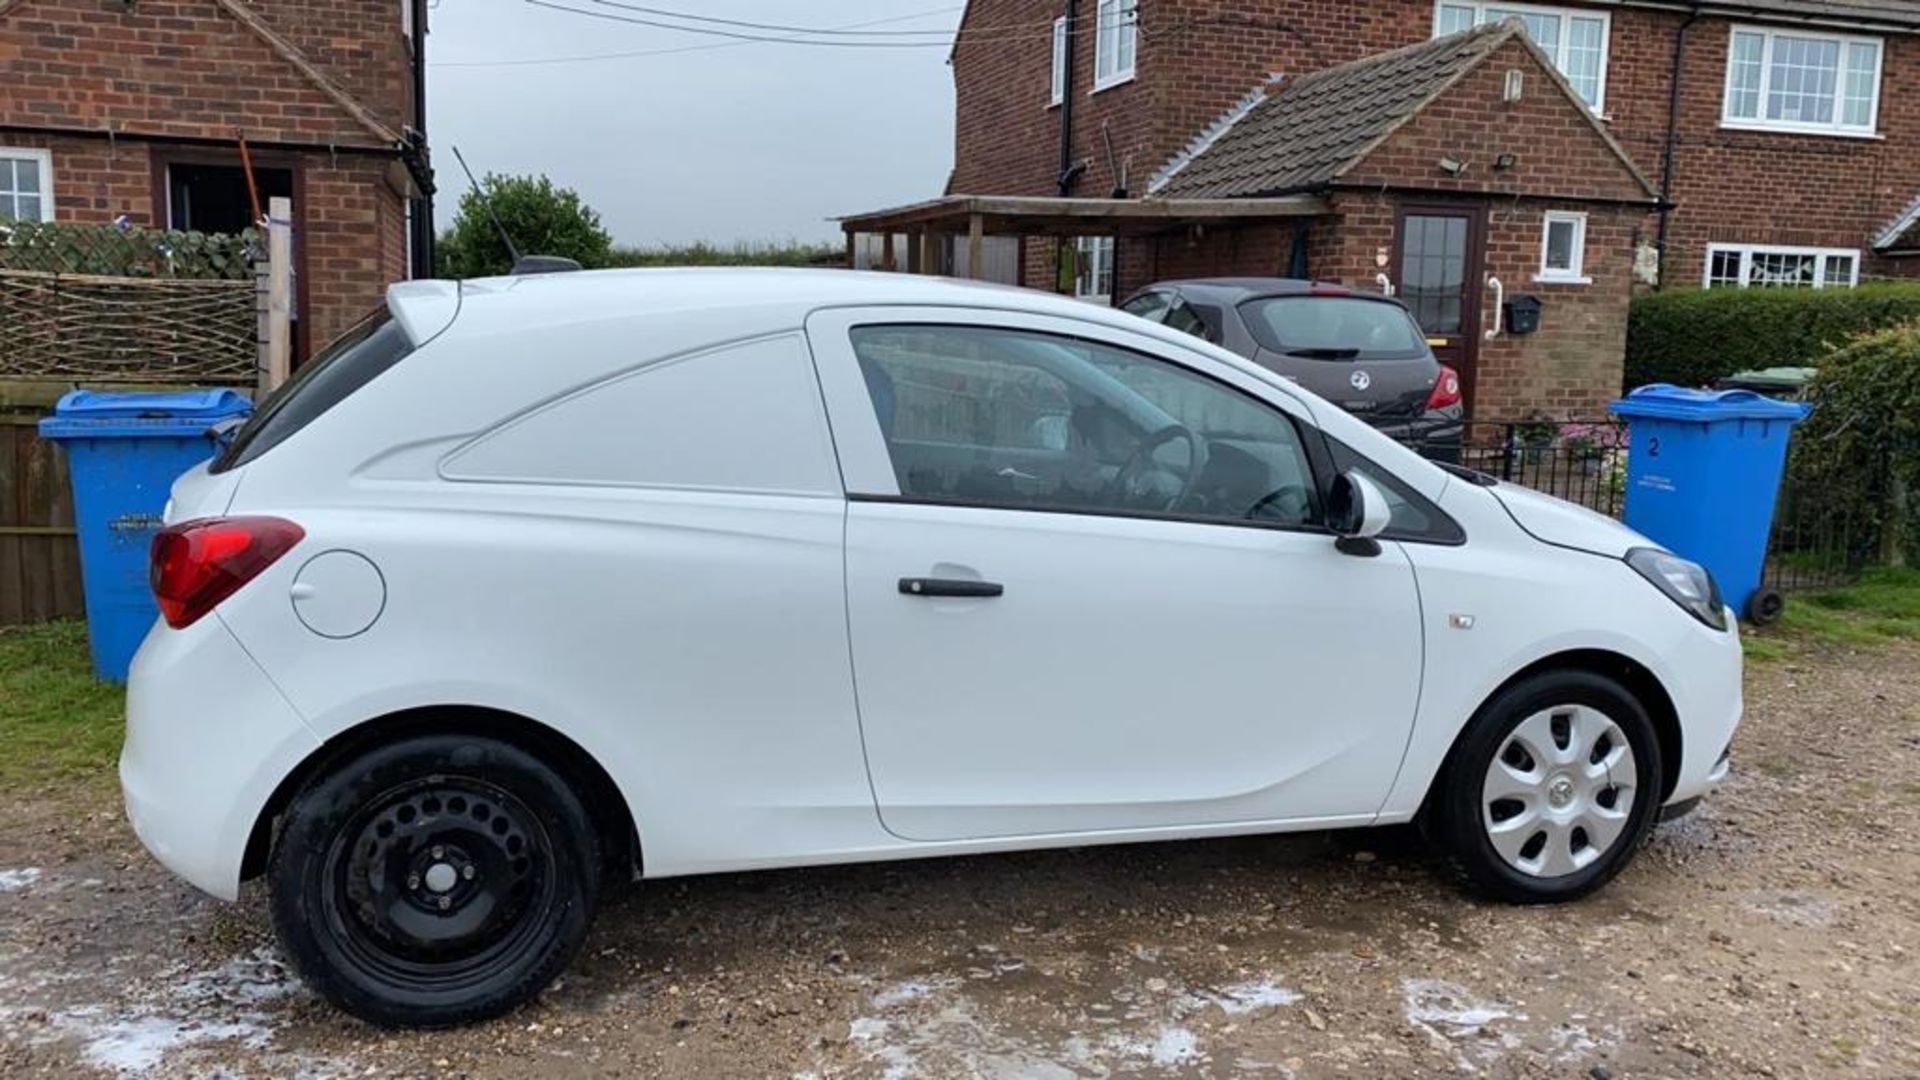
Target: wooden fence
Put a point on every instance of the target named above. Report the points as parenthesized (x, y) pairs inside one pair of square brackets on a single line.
[(39, 558), (111, 307)]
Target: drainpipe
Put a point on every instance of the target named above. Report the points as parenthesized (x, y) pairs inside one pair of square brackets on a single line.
[(1067, 172), (1673, 140), (422, 170)]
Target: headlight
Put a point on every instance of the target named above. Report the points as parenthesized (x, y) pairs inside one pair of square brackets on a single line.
[(1685, 583)]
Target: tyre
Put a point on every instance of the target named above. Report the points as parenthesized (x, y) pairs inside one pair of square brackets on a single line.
[(1766, 607), (1551, 790), (434, 881)]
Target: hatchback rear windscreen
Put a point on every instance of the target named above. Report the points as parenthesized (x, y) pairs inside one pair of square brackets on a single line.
[(354, 359), (1334, 328)]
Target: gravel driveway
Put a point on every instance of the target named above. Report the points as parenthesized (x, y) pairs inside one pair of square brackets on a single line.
[(1772, 934)]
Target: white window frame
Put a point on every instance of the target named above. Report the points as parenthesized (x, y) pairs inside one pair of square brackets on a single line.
[(1058, 88), (1748, 251), (1575, 274), (1091, 276), (1127, 12), (1839, 127), (42, 158), (1558, 57)]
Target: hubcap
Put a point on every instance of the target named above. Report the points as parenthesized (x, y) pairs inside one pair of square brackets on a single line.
[(1559, 793), (433, 881)]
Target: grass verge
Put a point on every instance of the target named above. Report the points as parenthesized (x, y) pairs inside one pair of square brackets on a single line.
[(57, 722), (1882, 607)]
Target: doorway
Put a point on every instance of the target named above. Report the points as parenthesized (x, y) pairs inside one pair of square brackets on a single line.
[(214, 198), (206, 191), (1442, 261)]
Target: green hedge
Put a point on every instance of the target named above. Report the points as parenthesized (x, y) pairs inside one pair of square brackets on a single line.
[(67, 247), (1693, 337), (1857, 457)]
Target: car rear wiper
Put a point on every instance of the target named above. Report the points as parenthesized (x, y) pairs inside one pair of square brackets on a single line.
[(1325, 354)]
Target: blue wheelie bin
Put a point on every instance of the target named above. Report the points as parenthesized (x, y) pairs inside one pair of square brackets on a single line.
[(1703, 474), (123, 453)]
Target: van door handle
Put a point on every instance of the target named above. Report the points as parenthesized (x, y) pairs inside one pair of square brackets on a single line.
[(975, 590)]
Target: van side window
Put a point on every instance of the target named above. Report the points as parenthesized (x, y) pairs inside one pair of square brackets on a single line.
[(1018, 420)]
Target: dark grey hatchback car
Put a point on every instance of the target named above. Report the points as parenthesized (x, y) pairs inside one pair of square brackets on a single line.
[(1361, 351)]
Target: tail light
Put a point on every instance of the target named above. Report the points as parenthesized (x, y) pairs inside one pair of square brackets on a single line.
[(197, 564), (1446, 389)]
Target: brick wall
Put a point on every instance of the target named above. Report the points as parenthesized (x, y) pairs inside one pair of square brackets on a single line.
[(190, 70), (1761, 187), (165, 67), (354, 244), (1556, 151), (358, 43)]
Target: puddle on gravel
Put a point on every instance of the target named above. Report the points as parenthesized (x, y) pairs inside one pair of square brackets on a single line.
[(941, 1025), (1793, 907), (172, 1024), (17, 879)]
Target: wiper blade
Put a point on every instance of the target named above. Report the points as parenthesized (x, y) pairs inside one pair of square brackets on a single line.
[(221, 432), (1325, 354)]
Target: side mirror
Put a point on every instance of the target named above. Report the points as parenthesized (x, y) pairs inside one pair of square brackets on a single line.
[(1357, 511)]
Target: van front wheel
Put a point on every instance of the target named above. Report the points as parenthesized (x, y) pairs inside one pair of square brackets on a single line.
[(434, 881), (1552, 790)]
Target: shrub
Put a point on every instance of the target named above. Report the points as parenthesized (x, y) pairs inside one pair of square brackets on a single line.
[(1694, 337), (541, 218), (1858, 454)]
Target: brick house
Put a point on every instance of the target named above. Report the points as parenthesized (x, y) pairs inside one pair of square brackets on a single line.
[(1611, 146), (138, 107)]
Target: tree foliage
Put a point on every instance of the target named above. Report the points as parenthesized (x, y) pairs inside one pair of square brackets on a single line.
[(1859, 451), (542, 219)]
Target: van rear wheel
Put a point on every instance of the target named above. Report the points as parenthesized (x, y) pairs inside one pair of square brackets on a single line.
[(434, 881), (1552, 790)]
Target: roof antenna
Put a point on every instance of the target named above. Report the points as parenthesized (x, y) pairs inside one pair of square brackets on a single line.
[(522, 264)]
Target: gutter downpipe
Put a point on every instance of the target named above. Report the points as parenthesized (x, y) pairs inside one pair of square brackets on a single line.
[(423, 237), (1673, 139), (1067, 172)]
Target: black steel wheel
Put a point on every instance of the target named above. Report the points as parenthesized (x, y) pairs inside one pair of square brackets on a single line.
[(434, 881), (1766, 607)]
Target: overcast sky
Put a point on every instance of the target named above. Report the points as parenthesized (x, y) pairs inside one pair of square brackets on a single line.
[(748, 141)]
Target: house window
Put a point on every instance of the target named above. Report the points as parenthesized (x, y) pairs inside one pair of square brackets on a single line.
[(1824, 84), (1113, 41), (1059, 91), (1576, 41), (1563, 248), (1741, 266), (26, 184), (1093, 276)]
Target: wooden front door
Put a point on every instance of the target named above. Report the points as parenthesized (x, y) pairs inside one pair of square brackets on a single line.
[(1442, 264)]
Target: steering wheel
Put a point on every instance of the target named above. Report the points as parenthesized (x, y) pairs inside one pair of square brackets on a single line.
[(1290, 504), (1129, 484)]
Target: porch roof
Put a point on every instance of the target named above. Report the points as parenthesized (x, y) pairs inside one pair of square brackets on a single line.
[(1027, 215)]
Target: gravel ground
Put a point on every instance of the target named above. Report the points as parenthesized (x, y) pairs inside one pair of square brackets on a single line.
[(1771, 934)]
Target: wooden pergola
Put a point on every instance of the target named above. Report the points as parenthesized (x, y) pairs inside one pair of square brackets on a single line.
[(978, 216)]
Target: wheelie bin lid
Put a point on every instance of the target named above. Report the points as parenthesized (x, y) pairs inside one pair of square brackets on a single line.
[(1664, 401), (92, 414)]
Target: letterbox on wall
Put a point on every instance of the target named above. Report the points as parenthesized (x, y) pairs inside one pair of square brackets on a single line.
[(1523, 314)]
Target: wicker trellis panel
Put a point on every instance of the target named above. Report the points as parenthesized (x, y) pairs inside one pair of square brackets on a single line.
[(85, 328)]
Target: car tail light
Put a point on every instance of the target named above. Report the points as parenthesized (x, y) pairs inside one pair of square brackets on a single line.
[(197, 564), (1446, 389)]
